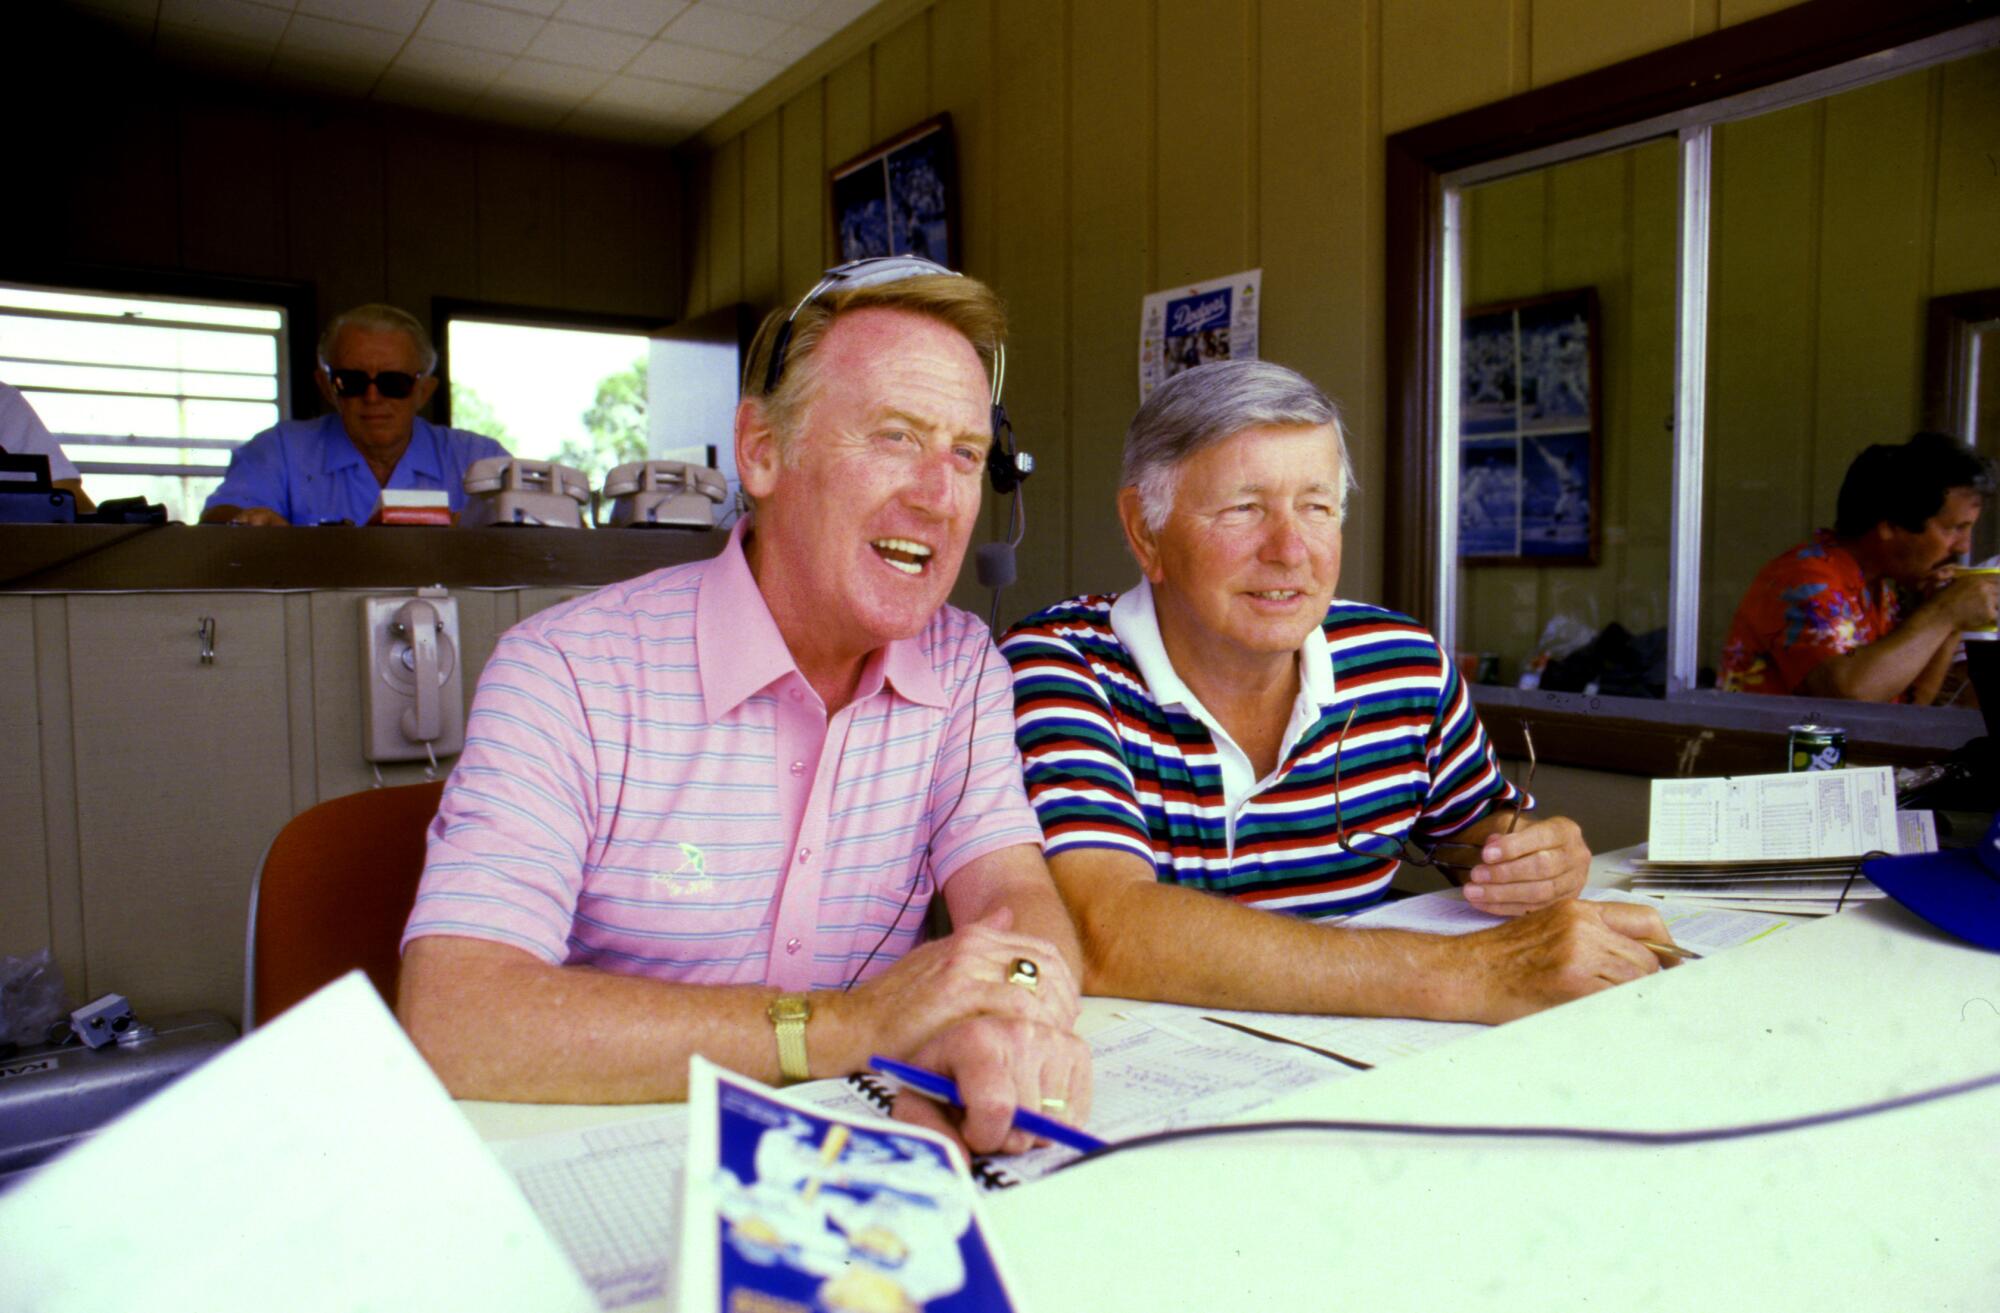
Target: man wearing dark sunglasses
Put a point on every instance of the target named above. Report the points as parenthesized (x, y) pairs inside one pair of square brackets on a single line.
[(376, 371)]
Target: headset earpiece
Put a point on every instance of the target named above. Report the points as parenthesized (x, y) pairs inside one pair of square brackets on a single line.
[(1006, 467)]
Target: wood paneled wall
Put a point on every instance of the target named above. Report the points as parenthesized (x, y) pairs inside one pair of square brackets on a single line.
[(1109, 148), (140, 786), (128, 163)]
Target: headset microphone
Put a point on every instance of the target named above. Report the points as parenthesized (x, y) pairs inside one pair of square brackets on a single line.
[(994, 564)]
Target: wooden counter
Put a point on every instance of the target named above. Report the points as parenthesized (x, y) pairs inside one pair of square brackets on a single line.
[(69, 558)]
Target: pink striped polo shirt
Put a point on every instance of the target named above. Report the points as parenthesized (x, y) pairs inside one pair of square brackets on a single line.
[(650, 786)]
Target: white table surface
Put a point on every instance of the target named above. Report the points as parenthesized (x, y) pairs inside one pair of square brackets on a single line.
[(1892, 1212)]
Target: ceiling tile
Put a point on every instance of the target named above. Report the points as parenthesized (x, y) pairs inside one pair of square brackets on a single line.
[(324, 41), (540, 8), (832, 15), (704, 106), (480, 26), (448, 65), (749, 74), (639, 17), (388, 15), (677, 63), (792, 45), (541, 80), (724, 29), (585, 47), (785, 11), (640, 95), (228, 18)]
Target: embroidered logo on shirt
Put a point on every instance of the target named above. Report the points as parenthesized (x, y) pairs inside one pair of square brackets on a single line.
[(690, 876)]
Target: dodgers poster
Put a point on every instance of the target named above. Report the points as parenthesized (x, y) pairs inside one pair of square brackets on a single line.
[(1188, 326)]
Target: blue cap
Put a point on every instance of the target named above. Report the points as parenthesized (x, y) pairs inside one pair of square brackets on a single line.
[(1958, 891)]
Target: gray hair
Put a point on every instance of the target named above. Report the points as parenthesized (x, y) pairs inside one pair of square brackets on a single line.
[(1209, 404), (378, 318)]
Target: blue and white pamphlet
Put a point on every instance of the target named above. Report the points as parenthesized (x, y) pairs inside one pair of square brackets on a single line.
[(792, 1209)]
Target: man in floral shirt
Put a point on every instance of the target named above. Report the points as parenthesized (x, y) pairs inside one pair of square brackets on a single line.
[(1827, 618)]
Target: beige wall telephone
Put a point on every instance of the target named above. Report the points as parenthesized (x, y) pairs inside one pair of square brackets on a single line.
[(412, 688)]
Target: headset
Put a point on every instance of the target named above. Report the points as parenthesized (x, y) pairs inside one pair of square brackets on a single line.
[(1006, 467)]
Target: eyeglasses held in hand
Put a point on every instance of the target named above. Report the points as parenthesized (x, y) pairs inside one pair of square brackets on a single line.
[(1452, 859), (391, 383)]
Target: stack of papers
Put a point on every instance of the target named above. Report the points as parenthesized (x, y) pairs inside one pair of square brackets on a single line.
[(1790, 843)]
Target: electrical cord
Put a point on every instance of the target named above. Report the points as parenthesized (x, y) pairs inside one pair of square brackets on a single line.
[(923, 872), (1602, 1135)]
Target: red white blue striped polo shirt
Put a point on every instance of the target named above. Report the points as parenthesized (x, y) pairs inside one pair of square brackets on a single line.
[(1112, 764)]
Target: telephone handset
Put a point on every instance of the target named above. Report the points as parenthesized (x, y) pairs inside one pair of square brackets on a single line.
[(664, 494), (417, 624), (413, 701)]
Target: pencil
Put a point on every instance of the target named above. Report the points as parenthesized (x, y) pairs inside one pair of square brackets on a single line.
[(1673, 950)]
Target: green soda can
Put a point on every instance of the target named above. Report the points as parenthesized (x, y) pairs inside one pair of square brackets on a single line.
[(1817, 747)]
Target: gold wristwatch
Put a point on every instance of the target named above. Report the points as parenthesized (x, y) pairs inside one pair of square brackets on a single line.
[(789, 1013)]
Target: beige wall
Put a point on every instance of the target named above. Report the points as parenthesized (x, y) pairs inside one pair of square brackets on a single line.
[(1109, 148), (140, 786)]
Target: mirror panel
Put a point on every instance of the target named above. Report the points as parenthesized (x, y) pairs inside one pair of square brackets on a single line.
[(1834, 224), (1605, 223)]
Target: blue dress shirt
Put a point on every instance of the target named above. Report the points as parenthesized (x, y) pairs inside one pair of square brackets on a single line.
[(310, 472)]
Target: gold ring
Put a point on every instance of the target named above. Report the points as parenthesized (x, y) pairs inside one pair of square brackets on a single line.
[(1055, 1105), (1025, 974)]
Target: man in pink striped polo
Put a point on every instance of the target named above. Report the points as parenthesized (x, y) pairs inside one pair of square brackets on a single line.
[(703, 811)]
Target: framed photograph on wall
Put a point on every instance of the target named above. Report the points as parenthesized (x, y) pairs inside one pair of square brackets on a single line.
[(1530, 459), (900, 197)]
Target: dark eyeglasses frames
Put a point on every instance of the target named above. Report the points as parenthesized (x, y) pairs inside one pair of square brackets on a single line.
[(1447, 858), (391, 383)]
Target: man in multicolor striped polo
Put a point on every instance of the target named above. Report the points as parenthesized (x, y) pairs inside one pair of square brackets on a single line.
[(703, 811), (1230, 728)]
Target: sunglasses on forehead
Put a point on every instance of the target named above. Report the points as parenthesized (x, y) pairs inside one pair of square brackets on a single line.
[(391, 383)]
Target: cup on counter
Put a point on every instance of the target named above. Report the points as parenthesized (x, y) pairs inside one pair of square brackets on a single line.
[(1990, 632)]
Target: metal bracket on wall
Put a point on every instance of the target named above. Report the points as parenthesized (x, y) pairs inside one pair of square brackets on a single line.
[(206, 633)]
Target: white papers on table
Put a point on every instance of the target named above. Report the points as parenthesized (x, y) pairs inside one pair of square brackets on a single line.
[(1150, 1077), (1805, 814), (1378, 1040), (610, 1195), (315, 1165)]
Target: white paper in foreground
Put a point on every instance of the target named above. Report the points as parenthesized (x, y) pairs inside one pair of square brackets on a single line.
[(315, 1165)]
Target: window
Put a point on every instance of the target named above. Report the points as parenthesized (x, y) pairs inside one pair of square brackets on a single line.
[(573, 395), (148, 395), (1805, 184)]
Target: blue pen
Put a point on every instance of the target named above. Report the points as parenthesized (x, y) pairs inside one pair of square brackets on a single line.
[(943, 1087)]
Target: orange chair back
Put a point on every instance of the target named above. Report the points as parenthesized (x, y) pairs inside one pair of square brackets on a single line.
[(335, 890)]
